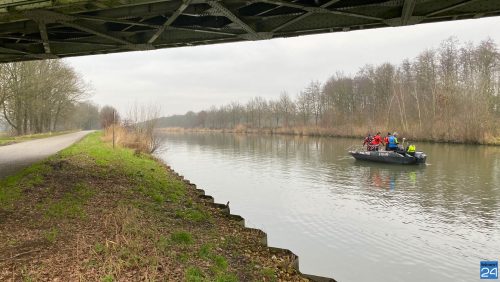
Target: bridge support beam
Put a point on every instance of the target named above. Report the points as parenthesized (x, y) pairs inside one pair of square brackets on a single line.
[(169, 21)]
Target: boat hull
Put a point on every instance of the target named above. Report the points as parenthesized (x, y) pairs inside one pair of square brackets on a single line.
[(389, 157)]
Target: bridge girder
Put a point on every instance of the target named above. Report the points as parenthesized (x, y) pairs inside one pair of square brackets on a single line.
[(40, 29)]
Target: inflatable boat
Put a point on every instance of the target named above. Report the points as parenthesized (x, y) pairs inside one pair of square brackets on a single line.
[(389, 157)]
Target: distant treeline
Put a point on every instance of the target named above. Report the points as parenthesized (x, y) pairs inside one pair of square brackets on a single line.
[(41, 96), (448, 94)]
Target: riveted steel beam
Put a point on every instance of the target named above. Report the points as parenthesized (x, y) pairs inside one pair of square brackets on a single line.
[(463, 3), (355, 15), (48, 16), (44, 36), (203, 30), (292, 21), (41, 17), (303, 16), (406, 17), (39, 41), (252, 34), (27, 55), (318, 10), (120, 21), (407, 12), (281, 3), (13, 4), (70, 28), (95, 32), (16, 51), (44, 16), (169, 21)]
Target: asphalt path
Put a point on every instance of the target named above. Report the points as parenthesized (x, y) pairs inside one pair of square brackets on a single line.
[(15, 157)]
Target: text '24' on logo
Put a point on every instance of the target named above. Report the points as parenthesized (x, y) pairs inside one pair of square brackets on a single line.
[(488, 270)]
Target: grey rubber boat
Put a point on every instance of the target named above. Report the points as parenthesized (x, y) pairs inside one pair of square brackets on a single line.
[(389, 157)]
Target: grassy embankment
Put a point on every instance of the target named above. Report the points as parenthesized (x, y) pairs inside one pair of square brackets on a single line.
[(5, 139), (98, 214)]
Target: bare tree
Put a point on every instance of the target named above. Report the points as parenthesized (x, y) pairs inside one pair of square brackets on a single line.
[(109, 116), (35, 95), (287, 108), (143, 121), (304, 107), (313, 93)]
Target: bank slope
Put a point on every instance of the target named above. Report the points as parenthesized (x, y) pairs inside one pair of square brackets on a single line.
[(97, 213)]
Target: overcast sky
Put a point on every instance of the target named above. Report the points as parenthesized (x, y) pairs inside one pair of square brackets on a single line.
[(194, 78)]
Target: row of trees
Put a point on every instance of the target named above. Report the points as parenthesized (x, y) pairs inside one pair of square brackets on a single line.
[(449, 93), (41, 96)]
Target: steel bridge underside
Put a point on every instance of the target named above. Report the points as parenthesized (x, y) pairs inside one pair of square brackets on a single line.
[(41, 29)]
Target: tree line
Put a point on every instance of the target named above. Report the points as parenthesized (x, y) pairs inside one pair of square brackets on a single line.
[(449, 93), (42, 96)]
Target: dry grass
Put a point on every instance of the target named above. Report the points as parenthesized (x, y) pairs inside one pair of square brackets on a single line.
[(415, 134), (240, 128), (140, 141), (297, 130), (492, 140)]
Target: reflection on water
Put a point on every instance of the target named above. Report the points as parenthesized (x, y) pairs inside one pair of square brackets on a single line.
[(353, 220)]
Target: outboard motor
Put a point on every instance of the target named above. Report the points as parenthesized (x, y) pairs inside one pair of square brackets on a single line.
[(420, 157)]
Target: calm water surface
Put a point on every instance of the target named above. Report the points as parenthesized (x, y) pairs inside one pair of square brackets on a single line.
[(352, 220)]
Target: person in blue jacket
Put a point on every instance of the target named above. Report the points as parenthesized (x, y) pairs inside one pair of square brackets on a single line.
[(393, 142)]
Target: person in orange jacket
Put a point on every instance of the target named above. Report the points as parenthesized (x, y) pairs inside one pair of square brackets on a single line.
[(377, 140)]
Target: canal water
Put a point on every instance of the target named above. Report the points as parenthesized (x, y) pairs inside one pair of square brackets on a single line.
[(354, 220)]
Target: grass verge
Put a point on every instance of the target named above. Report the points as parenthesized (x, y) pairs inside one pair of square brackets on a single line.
[(98, 214), (7, 140)]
